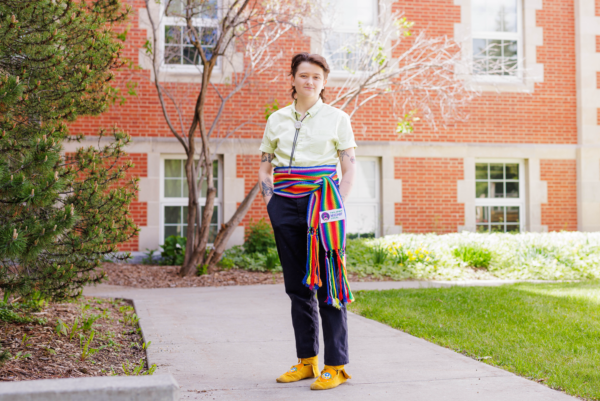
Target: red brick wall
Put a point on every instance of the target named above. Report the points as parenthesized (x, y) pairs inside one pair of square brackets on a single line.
[(429, 194), (138, 210), (560, 213), (247, 168), (546, 116)]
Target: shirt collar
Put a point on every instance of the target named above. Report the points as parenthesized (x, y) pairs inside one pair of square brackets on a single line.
[(312, 111)]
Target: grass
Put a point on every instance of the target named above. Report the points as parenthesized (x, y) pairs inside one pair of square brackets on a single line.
[(546, 332)]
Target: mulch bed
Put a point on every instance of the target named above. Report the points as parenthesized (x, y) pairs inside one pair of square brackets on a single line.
[(44, 354), (151, 276)]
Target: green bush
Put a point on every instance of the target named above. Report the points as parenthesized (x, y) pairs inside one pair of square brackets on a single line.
[(238, 257), (380, 254), (259, 238), (201, 270), (173, 252), (473, 255), (272, 260)]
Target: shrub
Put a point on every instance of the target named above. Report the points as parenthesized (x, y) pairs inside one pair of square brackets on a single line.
[(61, 212), (201, 270), (259, 238), (256, 261), (379, 254), (173, 252), (473, 255), (272, 260)]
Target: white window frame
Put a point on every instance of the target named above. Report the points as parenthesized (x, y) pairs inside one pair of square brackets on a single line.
[(183, 201), (343, 73), (520, 201), (357, 201), (518, 36), (198, 22)]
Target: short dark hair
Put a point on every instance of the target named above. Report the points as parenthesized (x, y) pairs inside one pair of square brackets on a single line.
[(315, 59)]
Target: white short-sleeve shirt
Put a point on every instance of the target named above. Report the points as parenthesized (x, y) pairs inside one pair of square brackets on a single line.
[(325, 130)]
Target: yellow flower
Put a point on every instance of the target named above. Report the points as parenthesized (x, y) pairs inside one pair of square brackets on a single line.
[(412, 258)]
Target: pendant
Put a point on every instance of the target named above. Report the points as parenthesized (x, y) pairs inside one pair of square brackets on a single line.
[(298, 124)]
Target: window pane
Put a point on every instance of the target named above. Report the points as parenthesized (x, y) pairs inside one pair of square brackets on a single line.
[(497, 190), (346, 14), (172, 230), (212, 233), (172, 214), (481, 171), (172, 54), (512, 171), (481, 189), (190, 55), (172, 34), (343, 51), (482, 214), (497, 228), (512, 214), (483, 228), (173, 188), (494, 16), (173, 168), (512, 228), (479, 50), (509, 48), (496, 171), (497, 214), (495, 48), (198, 8), (512, 189)]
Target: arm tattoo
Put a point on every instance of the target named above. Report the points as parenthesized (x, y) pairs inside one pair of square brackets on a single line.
[(266, 157), (267, 188), (344, 153)]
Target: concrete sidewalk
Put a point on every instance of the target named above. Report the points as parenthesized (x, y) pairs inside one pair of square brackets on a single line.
[(230, 343)]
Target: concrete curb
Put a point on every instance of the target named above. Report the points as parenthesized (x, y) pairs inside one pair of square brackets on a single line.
[(122, 388)]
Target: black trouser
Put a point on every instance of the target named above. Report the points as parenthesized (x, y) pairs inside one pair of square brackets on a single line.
[(288, 218)]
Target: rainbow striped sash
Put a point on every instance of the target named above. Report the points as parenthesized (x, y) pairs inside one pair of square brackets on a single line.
[(326, 219)]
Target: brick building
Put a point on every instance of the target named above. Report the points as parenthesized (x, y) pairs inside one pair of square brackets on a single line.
[(527, 159)]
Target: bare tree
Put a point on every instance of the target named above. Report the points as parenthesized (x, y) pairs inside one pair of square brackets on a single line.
[(416, 78), (420, 76), (251, 25)]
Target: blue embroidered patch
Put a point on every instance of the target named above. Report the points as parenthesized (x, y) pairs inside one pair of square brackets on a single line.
[(326, 376), (293, 369)]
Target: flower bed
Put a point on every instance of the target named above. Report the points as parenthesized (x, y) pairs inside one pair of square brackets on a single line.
[(543, 256)]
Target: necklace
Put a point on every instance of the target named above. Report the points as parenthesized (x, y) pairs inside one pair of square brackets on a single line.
[(297, 125)]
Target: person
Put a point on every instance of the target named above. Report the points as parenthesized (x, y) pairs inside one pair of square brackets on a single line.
[(301, 147)]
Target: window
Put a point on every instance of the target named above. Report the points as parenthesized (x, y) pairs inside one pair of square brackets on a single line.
[(342, 19), (362, 206), (178, 39), (496, 30), (174, 199), (499, 195)]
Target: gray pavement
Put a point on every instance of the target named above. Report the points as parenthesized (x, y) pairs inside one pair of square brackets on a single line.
[(230, 343)]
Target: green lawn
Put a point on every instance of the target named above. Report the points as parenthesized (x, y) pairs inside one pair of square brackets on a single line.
[(545, 332)]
